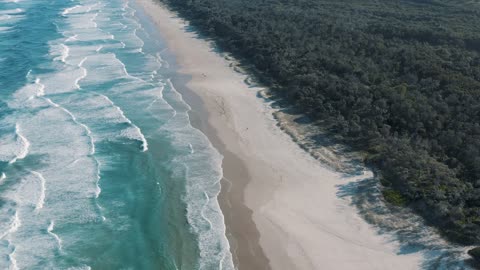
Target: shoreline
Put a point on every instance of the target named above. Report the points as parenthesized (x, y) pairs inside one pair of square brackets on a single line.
[(242, 229), (239, 231), (280, 204)]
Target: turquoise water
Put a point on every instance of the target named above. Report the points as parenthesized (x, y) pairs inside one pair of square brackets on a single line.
[(99, 165)]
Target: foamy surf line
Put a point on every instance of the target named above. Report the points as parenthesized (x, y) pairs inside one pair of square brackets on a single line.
[(11, 11), (84, 71), (71, 130), (15, 223), (137, 132), (134, 132), (72, 38), (23, 143), (12, 260), (204, 215), (50, 229), (65, 52), (42, 184), (203, 210), (70, 9), (88, 133)]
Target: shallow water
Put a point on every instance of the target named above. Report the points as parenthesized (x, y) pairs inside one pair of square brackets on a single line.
[(99, 165)]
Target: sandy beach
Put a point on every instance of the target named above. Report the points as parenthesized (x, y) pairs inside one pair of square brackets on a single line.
[(280, 204)]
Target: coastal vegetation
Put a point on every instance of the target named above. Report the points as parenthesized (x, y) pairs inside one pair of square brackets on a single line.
[(398, 80), (475, 253)]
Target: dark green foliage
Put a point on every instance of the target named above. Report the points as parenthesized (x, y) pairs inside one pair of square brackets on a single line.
[(475, 253), (398, 79), (394, 197)]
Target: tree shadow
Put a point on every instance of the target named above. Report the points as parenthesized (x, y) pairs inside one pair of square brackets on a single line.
[(402, 225)]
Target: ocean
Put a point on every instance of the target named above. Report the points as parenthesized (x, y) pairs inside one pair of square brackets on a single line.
[(100, 167)]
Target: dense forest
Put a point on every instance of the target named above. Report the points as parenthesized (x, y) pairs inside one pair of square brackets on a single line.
[(397, 79)]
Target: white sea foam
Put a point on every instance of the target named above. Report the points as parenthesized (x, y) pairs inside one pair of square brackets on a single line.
[(88, 132), (130, 40), (203, 185), (83, 22), (98, 190), (160, 61), (134, 132), (13, 261), (40, 88), (50, 228), (72, 38), (2, 177), (23, 143), (84, 73), (157, 96), (64, 81), (70, 9), (85, 267), (15, 223), (4, 17), (12, 11), (84, 34), (51, 116), (191, 148), (59, 138), (60, 51), (92, 20), (205, 206), (41, 197), (65, 53), (58, 142), (89, 8), (24, 96), (9, 17), (77, 52), (107, 68), (8, 147)]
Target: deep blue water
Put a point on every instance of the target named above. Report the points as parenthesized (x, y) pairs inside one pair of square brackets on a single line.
[(99, 165)]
